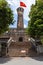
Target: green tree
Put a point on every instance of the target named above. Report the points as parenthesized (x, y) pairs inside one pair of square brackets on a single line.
[(35, 25), (6, 16)]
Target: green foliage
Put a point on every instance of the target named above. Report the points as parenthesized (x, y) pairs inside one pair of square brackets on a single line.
[(41, 39), (6, 16), (35, 25)]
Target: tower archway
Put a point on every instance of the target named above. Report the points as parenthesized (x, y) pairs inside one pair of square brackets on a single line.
[(20, 39)]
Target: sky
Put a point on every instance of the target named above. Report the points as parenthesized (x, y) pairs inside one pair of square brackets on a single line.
[(14, 4)]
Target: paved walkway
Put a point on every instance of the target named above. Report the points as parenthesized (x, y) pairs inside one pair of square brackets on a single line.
[(22, 61)]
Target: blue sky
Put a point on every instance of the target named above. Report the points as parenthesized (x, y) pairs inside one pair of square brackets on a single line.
[(14, 4)]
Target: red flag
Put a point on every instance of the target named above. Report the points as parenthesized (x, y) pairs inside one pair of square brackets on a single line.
[(22, 4)]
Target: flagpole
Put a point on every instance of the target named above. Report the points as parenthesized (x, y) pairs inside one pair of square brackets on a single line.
[(20, 1)]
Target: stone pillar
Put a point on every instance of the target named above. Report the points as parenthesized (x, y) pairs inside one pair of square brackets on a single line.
[(3, 49)]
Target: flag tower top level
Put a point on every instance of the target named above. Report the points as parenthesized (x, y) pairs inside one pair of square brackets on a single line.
[(20, 10)]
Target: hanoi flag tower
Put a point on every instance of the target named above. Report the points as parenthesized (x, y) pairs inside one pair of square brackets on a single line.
[(20, 24), (19, 36), (20, 11)]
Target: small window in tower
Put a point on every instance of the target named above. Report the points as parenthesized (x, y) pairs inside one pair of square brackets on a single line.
[(20, 39)]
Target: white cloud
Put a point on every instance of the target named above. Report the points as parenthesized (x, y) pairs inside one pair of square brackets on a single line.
[(25, 25), (9, 2), (13, 2)]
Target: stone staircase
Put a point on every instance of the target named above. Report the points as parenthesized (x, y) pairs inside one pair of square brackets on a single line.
[(19, 50)]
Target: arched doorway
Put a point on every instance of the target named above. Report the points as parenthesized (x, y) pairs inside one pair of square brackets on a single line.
[(20, 39)]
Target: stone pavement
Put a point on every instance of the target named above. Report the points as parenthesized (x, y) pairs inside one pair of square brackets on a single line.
[(22, 61)]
